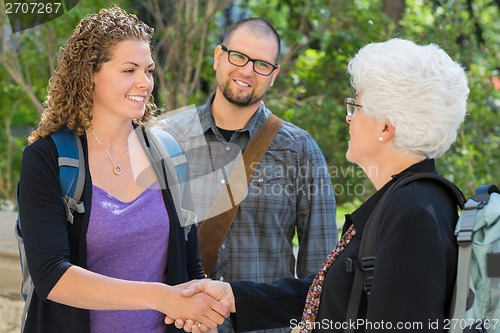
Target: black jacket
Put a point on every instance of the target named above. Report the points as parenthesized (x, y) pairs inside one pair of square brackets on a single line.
[(413, 279), (53, 245)]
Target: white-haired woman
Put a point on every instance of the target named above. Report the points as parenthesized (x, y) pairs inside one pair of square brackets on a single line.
[(409, 103)]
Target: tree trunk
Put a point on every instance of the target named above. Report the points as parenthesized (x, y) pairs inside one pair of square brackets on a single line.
[(394, 9)]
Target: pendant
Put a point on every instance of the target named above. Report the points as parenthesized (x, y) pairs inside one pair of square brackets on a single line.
[(117, 170)]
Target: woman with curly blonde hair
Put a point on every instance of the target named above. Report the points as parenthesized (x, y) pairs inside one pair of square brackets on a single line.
[(128, 249), (69, 101)]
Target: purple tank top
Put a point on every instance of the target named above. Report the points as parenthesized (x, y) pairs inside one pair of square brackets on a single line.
[(128, 240)]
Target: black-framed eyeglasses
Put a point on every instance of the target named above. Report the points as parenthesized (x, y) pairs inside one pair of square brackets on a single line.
[(350, 106), (240, 59)]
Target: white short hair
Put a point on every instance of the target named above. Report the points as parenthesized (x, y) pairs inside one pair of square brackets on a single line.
[(418, 88)]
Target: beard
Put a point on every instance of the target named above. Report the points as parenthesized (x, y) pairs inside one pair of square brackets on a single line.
[(240, 100)]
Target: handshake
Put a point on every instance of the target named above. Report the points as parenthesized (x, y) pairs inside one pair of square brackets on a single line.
[(202, 305)]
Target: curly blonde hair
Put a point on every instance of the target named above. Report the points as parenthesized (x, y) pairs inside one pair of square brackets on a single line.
[(69, 99)]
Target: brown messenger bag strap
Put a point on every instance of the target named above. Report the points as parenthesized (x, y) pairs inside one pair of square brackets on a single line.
[(212, 232)]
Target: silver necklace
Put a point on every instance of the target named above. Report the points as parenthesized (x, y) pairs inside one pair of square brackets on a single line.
[(117, 169)]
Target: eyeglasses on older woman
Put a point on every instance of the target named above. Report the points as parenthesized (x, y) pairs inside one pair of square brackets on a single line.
[(350, 106)]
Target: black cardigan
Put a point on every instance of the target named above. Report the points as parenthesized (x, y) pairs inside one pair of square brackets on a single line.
[(414, 275), (53, 245)]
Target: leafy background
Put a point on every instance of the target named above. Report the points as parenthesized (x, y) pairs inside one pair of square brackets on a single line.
[(319, 37)]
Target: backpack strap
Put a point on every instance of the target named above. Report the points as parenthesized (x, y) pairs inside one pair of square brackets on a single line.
[(170, 165), (364, 266), (464, 239), (72, 179), (170, 150), (71, 170)]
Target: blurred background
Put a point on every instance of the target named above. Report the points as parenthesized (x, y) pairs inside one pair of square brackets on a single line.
[(319, 37)]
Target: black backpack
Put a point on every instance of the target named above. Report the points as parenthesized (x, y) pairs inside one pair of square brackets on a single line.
[(484, 316)]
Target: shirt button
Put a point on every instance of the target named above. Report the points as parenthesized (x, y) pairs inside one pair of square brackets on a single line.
[(261, 181), (221, 278), (223, 246), (228, 148), (222, 181)]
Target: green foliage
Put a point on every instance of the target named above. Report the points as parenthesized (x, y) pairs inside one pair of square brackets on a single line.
[(319, 37), (27, 60), (473, 159), (313, 86)]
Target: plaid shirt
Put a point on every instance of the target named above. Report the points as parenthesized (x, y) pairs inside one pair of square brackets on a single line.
[(290, 188)]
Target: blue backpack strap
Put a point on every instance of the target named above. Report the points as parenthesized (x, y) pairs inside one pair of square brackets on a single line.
[(170, 165), (166, 142), (71, 170), (72, 178)]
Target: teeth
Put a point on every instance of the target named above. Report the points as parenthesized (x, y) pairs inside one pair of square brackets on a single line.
[(242, 83), (136, 98)]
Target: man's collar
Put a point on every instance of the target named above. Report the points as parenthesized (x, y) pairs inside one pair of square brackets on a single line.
[(254, 124)]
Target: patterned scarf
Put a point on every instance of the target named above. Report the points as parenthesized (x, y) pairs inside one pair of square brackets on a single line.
[(314, 295)]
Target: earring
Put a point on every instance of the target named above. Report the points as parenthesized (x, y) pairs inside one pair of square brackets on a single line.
[(380, 138)]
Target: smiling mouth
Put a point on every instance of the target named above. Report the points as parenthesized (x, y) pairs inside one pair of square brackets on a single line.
[(242, 84), (136, 98)]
